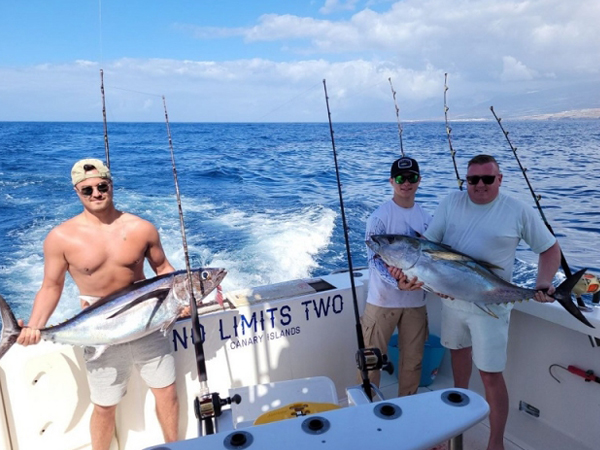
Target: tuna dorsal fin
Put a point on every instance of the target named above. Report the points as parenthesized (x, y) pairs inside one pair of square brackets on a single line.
[(159, 295)]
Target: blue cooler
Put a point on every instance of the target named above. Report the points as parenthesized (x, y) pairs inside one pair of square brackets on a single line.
[(432, 358)]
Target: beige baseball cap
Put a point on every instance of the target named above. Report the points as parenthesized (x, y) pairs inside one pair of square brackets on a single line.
[(81, 170)]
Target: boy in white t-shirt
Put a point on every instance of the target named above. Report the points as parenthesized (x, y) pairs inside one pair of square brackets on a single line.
[(395, 303)]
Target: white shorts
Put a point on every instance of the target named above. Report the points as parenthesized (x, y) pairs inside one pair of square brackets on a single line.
[(486, 334), (108, 375)]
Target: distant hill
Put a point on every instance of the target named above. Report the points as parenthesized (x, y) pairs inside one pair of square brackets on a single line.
[(590, 113)]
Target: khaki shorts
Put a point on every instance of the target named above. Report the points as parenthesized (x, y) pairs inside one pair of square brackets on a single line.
[(486, 334), (378, 325), (108, 375)]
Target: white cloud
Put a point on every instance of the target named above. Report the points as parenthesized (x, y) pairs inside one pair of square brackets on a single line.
[(471, 35), (490, 48), (241, 90), (514, 70)]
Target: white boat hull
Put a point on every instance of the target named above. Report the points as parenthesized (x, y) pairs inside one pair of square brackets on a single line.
[(45, 398)]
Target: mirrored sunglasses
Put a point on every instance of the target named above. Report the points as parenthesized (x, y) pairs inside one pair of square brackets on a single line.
[(89, 190), (412, 178), (487, 179)]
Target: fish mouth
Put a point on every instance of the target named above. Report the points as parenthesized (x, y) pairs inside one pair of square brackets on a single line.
[(377, 241), (372, 243), (382, 239)]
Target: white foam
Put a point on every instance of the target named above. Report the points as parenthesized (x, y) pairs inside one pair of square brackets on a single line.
[(281, 247)]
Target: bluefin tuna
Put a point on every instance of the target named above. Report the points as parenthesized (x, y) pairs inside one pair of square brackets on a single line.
[(456, 275), (125, 315)]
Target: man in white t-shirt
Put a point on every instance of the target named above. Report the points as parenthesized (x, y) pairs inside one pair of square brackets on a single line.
[(395, 303), (488, 226)]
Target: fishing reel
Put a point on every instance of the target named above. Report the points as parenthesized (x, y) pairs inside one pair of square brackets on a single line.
[(369, 359), (210, 406)]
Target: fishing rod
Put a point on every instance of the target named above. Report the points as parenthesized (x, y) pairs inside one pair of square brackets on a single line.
[(448, 132), (104, 119), (537, 198), (207, 406), (397, 116), (366, 358)]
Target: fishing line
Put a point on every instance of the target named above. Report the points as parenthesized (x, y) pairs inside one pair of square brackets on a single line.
[(100, 31), (287, 102), (537, 198), (302, 94), (448, 132), (137, 92), (397, 117), (360, 356), (202, 405)]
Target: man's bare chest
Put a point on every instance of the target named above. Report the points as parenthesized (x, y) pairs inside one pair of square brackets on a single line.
[(106, 250)]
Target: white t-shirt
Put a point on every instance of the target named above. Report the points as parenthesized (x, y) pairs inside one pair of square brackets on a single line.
[(390, 218), (489, 232)]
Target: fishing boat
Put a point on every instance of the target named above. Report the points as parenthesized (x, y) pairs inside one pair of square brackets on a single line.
[(295, 342)]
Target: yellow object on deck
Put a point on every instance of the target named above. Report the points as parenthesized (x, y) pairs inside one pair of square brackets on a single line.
[(294, 410)]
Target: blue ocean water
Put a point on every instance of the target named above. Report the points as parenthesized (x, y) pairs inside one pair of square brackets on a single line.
[(261, 199)]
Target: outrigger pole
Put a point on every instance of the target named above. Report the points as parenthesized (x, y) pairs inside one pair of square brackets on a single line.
[(448, 132), (370, 358), (397, 117), (104, 119), (207, 406), (537, 198)]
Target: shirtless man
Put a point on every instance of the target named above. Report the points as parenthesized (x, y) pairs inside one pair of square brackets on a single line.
[(103, 249)]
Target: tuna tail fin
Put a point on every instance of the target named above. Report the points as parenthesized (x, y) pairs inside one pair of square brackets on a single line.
[(10, 327), (563, 296)]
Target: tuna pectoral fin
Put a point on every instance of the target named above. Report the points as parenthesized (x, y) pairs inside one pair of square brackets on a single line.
[(10, 327), (158, 294), (563, 296), (486, 310)]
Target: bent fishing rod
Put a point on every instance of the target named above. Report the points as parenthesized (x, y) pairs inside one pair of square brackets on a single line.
[(397, 117), (563, 262), (366, 358), (448, 132), (207, 405)]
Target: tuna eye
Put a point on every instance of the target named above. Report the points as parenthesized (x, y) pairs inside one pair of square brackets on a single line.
[(204, 275)]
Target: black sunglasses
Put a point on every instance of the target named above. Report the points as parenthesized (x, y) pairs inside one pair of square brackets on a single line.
[(411, 178), (89, 190), (487, 179)]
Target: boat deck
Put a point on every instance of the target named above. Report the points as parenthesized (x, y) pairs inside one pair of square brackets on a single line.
[(475, 438)]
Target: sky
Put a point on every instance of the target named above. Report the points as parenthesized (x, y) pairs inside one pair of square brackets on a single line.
[(265, 60)]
